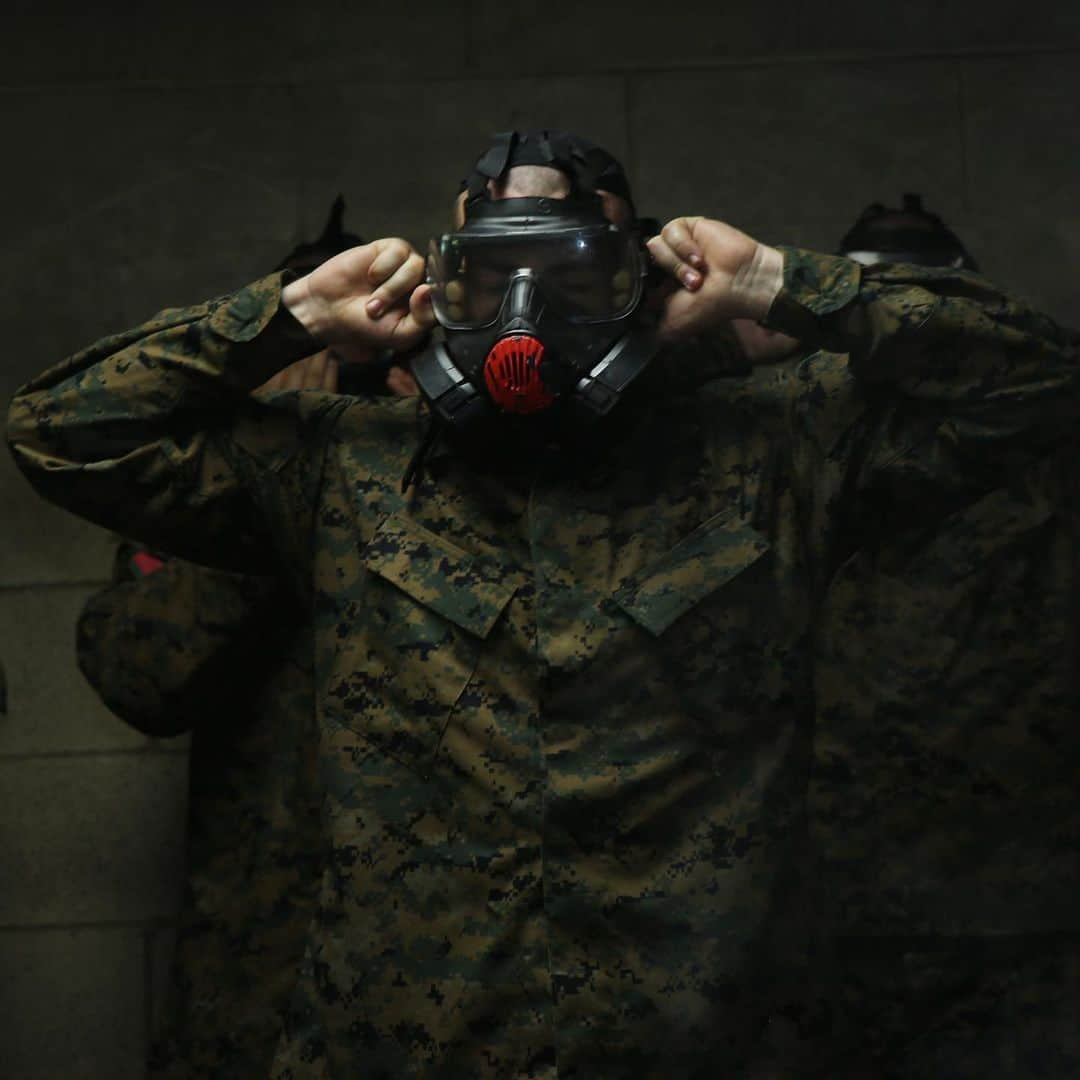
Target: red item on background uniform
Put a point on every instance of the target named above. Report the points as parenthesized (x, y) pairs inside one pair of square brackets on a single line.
[(145, 563)]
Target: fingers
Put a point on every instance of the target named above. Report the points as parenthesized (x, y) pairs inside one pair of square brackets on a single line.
[(678, 234), (330, 375), (656, 295), (390, 253), (421, 307), (345, 298), (395, 271), (313, 371), (321, 372), (679, 318), (316, 372), (670, 261), (351, 353), (405, 329), (676, 251), (401, 383), (292, 378), (273, 383)]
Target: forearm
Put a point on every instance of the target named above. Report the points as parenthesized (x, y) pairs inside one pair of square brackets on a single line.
[(948, 343), (134, 432)]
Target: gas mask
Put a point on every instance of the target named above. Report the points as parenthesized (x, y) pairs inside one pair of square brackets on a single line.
[(910, 234), (540, 304), (539, 301)]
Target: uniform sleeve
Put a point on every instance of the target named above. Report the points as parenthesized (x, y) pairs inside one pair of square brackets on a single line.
[(155, 648), (987, 370), (153, 433), (929, 389)]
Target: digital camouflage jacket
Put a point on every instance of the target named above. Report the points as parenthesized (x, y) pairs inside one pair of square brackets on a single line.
[(947, 749), (944, 807), (944, 799), (226, 656), (565, 702)]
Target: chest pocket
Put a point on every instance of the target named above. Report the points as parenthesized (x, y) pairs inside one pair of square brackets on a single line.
[(722, 636), (426, 609), (713, 555)]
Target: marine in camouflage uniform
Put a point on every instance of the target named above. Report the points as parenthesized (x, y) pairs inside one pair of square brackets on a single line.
[(944, 797), (565, 700), (170, 647), (173, 647)]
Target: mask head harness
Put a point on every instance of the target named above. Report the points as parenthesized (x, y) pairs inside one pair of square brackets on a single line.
[(539, 298), (910, 234)]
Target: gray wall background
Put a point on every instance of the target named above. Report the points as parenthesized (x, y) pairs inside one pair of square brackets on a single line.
[(160, 156)]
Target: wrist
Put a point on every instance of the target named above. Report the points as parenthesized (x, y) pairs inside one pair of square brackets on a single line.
[(310, 313), (758, 281)]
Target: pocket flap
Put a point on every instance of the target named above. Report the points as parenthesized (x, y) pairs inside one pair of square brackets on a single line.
[(714, 553), (469, 590)]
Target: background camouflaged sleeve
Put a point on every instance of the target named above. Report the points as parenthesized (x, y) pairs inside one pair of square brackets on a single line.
[(943, 796), (196, 467), (938, 388)]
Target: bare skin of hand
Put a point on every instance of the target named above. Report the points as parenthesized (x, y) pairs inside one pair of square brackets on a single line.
[(372, 295), (401, 383), (761, 345), (724, 274)]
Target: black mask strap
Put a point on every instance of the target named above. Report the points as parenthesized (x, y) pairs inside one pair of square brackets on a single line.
[(493, 164), (588, 167), (414, 471)]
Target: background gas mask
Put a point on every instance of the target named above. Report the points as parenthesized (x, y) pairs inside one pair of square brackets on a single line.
[(539, 299), (910, 234)]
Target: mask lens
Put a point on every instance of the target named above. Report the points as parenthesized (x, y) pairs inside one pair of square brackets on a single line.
[(468, 281), (593, 277), (587, 275)]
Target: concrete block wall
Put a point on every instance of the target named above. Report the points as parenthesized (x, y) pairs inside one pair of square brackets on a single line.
[(157, 156)]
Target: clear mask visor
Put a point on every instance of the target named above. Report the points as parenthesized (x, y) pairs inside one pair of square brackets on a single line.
[(585, 275)]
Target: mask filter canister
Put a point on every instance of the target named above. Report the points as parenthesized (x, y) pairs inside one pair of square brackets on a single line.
[(512, 374)]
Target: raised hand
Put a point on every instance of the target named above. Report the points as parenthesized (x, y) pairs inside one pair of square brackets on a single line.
[(723, 273), (367, 296)]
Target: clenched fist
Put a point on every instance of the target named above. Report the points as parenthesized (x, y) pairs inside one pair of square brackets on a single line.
[(367, 296), (723, 274)]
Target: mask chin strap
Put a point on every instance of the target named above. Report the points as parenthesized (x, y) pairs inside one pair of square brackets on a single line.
[(598, 391), (444, 386)]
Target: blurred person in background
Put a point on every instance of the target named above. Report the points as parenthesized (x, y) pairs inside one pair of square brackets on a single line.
[(174, 647), (944, 794), (943, 797)]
